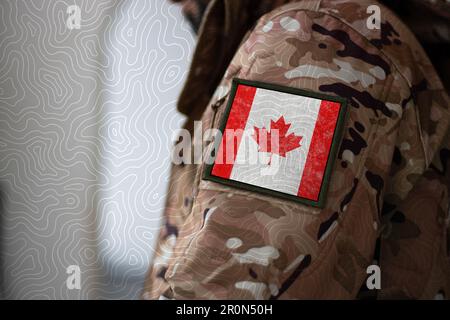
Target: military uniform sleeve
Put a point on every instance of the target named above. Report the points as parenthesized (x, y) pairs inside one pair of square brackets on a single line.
[(238, 244), (414, 257)]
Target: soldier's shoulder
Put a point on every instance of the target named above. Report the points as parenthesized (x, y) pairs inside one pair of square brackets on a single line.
[(374, 23)]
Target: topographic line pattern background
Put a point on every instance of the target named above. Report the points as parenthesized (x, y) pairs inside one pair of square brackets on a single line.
[(86, 118)]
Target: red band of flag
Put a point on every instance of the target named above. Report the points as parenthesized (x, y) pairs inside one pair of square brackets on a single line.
[(319, 150), (237, 119)]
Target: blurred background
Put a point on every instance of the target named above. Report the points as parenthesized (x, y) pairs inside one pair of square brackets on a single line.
[(87, 112)]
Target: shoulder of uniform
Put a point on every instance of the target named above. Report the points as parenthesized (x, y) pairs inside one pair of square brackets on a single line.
[(397, 44)]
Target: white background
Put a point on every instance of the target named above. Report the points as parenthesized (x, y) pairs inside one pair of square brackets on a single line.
[(85, 121)]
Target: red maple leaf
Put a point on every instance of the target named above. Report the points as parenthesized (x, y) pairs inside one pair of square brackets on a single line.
[(280, 146)]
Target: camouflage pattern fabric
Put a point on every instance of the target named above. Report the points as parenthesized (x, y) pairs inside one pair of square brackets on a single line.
[(390, 181)]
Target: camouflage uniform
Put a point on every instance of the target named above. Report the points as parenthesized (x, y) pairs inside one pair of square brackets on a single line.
[(390, 181)]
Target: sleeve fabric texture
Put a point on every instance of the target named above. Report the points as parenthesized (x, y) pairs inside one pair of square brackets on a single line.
[(390, 181)]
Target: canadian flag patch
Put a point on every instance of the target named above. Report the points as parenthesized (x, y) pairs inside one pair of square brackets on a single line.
[(278, 140)]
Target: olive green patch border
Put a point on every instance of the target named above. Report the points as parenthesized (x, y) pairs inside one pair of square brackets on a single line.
[(337, 137)]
